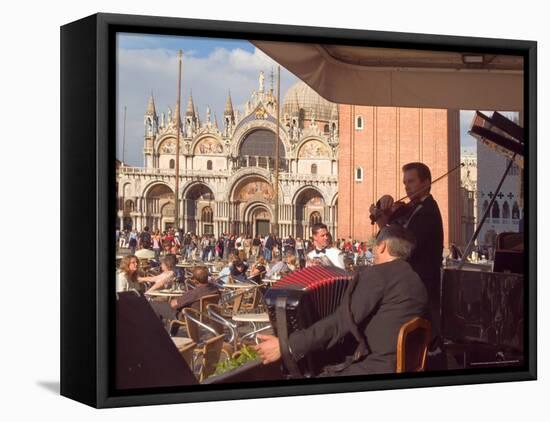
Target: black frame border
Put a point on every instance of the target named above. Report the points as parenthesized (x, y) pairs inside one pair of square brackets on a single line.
[(88, 146)]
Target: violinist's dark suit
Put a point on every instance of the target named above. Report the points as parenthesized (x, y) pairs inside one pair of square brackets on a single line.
[(426, 224)]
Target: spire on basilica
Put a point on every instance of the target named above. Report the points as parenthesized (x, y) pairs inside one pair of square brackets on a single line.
[(261, 81), (151, 118), (228, 106), (190, 105), (151, 111), (208, 115), (215, 121)]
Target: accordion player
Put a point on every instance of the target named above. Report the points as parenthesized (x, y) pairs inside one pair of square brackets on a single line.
[(312, 314), (300, 299)]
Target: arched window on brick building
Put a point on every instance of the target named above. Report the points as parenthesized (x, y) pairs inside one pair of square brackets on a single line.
[(358, 174)]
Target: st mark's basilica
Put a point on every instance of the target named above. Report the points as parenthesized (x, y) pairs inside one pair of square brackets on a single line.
[(227, 169)]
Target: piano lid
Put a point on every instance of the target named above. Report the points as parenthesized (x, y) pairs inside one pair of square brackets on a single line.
[(500, 134)]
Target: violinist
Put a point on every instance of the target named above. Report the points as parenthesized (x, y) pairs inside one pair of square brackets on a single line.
[(422, 217)]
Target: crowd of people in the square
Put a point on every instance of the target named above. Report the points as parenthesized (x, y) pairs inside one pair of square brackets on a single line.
[(207, 248)]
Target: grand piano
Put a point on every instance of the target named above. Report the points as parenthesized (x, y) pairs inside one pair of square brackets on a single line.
[(482, 312)]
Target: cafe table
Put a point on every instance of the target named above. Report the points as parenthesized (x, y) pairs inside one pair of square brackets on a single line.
[(239, 285), (165, 293)]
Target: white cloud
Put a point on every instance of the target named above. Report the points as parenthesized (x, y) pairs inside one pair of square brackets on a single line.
[(141, 71)]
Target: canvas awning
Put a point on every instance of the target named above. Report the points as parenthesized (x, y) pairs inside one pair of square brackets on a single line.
[(404, 78)]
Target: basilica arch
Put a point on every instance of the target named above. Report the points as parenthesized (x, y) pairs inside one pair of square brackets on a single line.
[(198, 209), (257, 149), (159, 206), (247, 128), (310, 208), (253, 189), (129, 208), (258, 217), (207, 144)]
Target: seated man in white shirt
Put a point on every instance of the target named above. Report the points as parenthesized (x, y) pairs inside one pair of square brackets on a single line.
[(322, 250)]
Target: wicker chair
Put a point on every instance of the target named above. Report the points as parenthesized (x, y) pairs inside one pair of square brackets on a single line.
[(412, 345)]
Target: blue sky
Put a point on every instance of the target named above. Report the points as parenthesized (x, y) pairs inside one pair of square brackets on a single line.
[(211, 67), (196, 46)]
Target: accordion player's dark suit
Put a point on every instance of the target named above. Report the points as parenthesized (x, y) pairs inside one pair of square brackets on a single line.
[(385, 297)]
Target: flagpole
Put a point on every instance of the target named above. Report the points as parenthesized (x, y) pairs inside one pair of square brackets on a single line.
[(124, 136), (276, 178), (178, 124)]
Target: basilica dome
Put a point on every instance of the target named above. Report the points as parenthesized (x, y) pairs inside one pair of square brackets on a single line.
[(300, 97)]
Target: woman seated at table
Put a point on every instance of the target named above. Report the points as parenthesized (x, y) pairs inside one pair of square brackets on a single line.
[(127, 275), (165, 278)]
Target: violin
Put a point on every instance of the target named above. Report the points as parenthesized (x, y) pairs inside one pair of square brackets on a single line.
[(397, 213)]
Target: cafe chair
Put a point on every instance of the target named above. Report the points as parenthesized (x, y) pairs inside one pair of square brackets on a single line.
[(217, 316), (252, 299), (232, 301), (412, 345), (209, 355), (185, 346), (189, 285), (205, 301), (210, 345)]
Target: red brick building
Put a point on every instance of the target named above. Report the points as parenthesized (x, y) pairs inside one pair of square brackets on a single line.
[(375, 142)]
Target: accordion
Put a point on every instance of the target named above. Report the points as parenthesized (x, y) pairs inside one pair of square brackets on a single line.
[(299, 300)]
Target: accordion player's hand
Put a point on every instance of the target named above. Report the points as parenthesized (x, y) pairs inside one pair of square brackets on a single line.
[(269, 349)]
